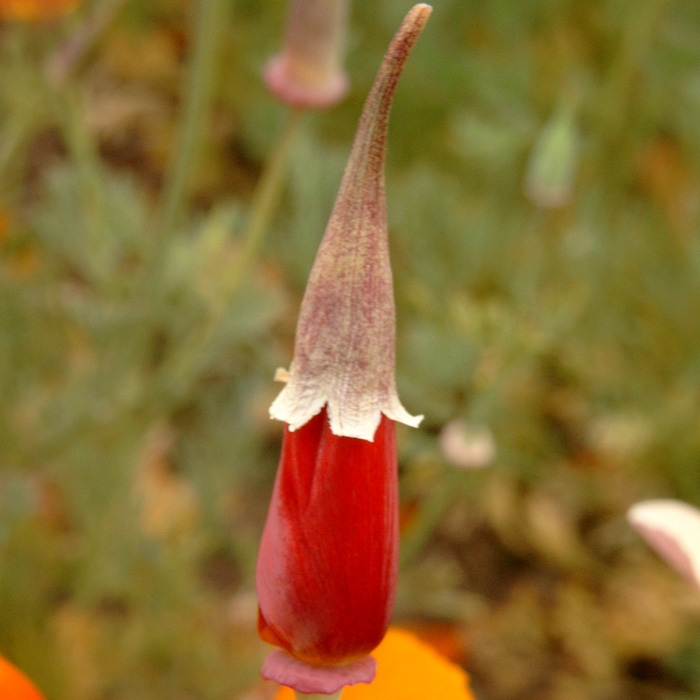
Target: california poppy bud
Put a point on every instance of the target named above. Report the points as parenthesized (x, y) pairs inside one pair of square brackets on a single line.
[(551, 172), (326, 572), (309, 72)]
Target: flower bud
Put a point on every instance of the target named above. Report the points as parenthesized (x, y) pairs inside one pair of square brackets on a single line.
[(327, 568), (467, 446), (309, 72), (550, 176)]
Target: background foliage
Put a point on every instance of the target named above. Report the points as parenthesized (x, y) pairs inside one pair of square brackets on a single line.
[(137, 350)]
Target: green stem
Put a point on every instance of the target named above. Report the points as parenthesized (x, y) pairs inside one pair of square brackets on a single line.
[(636, 40), (430, 515), (318, 696), (265, 200), (199, 92), (68, 57), (15, 134), (84, 152), (182, 367)]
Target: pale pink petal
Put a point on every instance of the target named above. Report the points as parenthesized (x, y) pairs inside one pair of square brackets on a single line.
[(672, 528), (301, 95), (307, 678)]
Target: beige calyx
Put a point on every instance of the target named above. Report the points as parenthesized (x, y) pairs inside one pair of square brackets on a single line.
[(344, 352)]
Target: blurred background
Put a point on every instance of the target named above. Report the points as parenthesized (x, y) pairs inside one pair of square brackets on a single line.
[(544, 198)]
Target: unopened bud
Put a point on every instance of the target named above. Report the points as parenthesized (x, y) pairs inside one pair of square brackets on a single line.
[(467, 447), (552, 168), (308, 73)]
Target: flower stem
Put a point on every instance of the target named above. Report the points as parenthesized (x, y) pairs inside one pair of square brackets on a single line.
[(181, 368), (199, 93), (318, 696), (429, 516), (68, 57), (265, 199)]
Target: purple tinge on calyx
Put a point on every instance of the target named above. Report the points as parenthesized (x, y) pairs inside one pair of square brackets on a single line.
[(344, 351)]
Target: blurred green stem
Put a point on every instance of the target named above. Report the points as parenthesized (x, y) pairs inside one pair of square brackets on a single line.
[(199, 92), (637, 37), (182, 368), (265, 200), (16, 128), (68, 57), (84, 152), (430, 514)]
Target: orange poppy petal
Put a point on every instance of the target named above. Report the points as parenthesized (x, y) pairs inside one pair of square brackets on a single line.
[(14, 685), (407, 669)]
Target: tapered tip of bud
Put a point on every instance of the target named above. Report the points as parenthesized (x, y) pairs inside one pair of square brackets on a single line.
[(306, 678), (301, 95), (419, 14), (344, 356)]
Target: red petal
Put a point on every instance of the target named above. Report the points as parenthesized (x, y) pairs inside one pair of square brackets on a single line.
[(326, 572)]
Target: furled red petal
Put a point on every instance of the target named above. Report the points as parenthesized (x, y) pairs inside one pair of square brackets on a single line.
[(344, 351), (326, 572), (283, 668), (672, 528)]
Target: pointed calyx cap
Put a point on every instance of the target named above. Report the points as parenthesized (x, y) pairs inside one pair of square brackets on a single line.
[(344, 355)]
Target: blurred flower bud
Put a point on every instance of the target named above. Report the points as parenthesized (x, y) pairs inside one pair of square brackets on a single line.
[(308, 73), (467, 447), (552, 167), (672, 528)]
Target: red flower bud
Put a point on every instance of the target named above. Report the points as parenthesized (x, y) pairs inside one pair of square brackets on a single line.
[(326, 572)]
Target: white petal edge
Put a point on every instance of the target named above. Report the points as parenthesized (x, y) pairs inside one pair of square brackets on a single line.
[(672, 528), (361, 425)]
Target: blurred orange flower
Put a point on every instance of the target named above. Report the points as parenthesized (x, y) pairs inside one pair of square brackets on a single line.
[(32, 10), (407, 669), (14, 685)]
